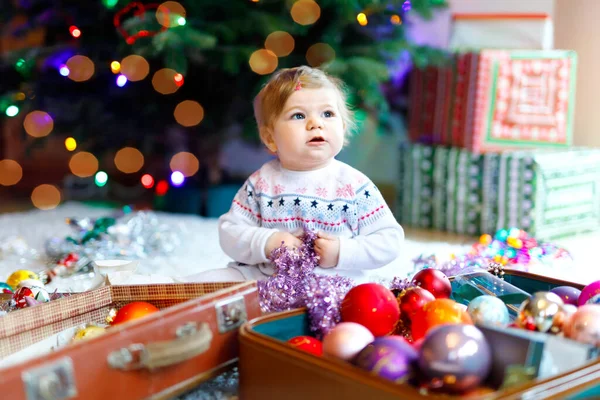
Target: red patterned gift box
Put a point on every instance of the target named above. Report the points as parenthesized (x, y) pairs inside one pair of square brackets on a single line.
[(522, 99)]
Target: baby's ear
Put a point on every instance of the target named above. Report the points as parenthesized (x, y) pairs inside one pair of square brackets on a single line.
[(266, 135)]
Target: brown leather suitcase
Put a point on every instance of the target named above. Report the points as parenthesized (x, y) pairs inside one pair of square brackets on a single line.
[(271, 369), (193, 338)]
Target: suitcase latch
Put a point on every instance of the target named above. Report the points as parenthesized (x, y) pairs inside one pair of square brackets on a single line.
[(231, 313), (54, 381)]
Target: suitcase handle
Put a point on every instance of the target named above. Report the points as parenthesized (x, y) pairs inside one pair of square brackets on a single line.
[(191, 341)]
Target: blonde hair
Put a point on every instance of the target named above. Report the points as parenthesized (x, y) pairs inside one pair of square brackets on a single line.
[(269, 102)]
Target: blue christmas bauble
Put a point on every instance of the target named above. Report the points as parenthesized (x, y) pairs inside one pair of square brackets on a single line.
[(488, 310)]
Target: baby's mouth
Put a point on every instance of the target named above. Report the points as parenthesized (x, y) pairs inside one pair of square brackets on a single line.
[(317, 139)]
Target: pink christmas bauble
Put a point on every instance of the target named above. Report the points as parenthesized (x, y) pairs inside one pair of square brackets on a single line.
[(584, 325), (588, 292), (346, 340)]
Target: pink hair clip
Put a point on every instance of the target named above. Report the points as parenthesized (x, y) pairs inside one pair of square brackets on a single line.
[(298, 86)]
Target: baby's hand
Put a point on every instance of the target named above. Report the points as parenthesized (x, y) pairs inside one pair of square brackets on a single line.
[(327, 248), (275, 240)]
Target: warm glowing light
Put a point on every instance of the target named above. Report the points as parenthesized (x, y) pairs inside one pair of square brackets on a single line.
[(185, 162), (188, 113), (83, 164), (161, 188), (319, 53), (75, 32), (70, 144), (263, 62), (305, 12), (45, 197), (135, 67), (81, 68), (147, 181), (362, 19), (129, 160), (170, 14), (115, 67), (38, 124), (20, 96), (395, 19), (280, 43), (163, 81), (10, 172)]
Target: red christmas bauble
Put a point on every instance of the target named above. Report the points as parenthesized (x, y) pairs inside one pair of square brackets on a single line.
[(19, 296), (412, 300), (434, 281), (308, 344), (373, 306), (132, 311)]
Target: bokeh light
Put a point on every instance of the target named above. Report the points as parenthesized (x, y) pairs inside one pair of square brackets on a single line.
[(177, 178), (163, 81), (129, 160), (134, 67), (362, 19), (75, 31), (319, 53), (169, 13), (121, 80), (101, 178), (178, 78), (395, 19), (115, 67), (70, 144), (83, 164), (162, 187), (305, 12), (38, 124), (10, 172), (280, 43), (64, 70), (147, 181), (81, 68), (188, 113), (45, 197), (12, 111), (263, 62), (185, 162)]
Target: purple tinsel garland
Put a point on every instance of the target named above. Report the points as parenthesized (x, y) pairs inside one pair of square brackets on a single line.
[(295, 284)]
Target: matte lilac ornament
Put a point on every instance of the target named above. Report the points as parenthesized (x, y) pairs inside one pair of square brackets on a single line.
[(457, 357), (568, 294), (389, 357), (588, 292)]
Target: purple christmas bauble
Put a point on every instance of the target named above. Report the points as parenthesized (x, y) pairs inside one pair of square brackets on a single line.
[(456, 355), (389, 357), (568, 294)]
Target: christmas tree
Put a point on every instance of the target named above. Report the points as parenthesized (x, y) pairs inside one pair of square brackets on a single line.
[(111, 74)]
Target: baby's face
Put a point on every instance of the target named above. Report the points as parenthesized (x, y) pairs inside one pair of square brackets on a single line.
[(310, 131)]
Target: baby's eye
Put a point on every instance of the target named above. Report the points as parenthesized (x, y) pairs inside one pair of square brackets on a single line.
[(328, 114), (298, 116)]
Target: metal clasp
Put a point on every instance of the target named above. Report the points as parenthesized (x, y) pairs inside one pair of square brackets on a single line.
[(231, 313), (54, 381)]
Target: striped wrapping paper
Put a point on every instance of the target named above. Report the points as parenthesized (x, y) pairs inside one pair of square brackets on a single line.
[(415, 190)]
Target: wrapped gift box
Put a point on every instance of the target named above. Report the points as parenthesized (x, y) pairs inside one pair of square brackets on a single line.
[(415, 189), (191, 339), (501, 31)]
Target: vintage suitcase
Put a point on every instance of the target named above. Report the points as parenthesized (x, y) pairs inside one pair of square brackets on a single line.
[(193, 338), (270, 369)]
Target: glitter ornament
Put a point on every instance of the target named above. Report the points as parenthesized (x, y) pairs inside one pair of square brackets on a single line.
[(373, 306), (568, 294), (308, 344), (488, 310), (89, 332), (586, 293), (346, 340), (20, 275), (456, 356), (411, 301), (543, 311), (438, 312), (434, 281), (133, 311), (584, 325), (388, 357)]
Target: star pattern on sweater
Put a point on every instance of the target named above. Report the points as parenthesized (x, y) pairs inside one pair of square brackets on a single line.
[(296, 201), (330, 206), (345, 208), (281, 202), (313, 204), (270, 203), (367, 194)]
